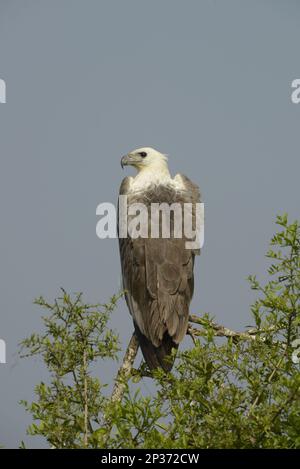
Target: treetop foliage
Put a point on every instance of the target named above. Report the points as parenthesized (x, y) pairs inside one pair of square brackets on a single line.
[(238, 391)]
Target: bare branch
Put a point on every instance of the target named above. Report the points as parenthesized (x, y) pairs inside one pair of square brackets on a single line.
[(85, 393), (190, 331), (122, 377), (125, 370), (219, 330)]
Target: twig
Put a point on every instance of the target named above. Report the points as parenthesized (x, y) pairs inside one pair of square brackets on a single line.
[(125, 370), (219, 330), (142, 373), (271, 376), (86, 416), (122, 377), (191, 332)]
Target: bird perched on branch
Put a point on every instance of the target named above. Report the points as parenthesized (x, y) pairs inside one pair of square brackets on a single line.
[(157, 271)]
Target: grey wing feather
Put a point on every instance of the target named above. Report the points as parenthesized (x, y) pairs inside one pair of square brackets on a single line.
[(159, 283)]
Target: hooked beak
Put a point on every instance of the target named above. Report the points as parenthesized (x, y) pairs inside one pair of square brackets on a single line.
[(124, 160), (129, 159)]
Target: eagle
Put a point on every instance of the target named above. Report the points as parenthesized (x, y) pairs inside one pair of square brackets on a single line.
[(157, 272)]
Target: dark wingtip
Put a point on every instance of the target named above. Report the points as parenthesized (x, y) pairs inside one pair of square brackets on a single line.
[(157, 357)]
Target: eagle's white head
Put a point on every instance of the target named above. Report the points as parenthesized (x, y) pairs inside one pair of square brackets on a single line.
[(152, 168), (145, 158), (151, 165)]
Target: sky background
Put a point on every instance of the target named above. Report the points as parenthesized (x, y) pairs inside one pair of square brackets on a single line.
[(207, 82)]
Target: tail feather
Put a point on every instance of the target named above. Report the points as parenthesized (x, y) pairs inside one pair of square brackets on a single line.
[(157, 357)]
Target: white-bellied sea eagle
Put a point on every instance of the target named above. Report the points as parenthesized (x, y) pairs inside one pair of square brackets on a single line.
[(157, 272)]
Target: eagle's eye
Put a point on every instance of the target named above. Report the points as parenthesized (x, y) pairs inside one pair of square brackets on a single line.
[(143, 154)]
